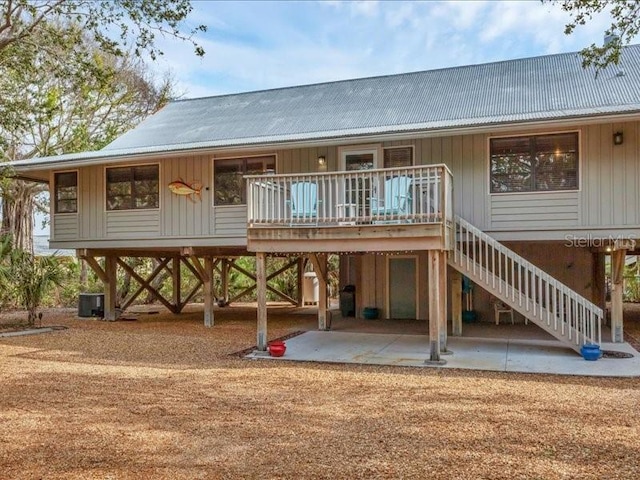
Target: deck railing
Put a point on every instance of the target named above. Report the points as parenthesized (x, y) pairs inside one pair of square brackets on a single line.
[(393, 195)]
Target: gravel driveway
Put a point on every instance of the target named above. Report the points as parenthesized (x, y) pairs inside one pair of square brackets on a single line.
[(161, 397)]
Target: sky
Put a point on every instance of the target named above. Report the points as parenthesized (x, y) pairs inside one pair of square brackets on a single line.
[(262, 45)]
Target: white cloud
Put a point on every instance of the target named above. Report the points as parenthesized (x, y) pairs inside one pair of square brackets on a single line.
[(460, 14), (258, 45), (368, 8), (400, 16)]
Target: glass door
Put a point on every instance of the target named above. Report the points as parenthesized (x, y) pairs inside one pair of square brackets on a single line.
[(358, 190)]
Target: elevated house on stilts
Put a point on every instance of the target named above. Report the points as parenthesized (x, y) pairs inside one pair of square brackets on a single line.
[(519, 175)]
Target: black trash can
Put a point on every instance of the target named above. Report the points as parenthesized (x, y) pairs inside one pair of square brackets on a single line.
[(348, 301)]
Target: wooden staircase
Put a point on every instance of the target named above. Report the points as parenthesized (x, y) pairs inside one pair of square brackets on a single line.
[(542, 299)]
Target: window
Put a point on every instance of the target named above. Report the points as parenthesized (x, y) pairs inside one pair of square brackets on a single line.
[(359, 161), (534, 164), (228, 186), (396, 157), (133, 188), (66, 192)]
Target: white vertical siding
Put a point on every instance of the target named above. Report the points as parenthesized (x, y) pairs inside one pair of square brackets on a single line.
[(181, 215), (91, 207), (609, 194), (611, 176), (465, 155)]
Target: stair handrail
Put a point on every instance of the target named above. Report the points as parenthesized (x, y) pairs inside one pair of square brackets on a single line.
[(587, 328)]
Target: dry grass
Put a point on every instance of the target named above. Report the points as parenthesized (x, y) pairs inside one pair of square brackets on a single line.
[(162, 398)]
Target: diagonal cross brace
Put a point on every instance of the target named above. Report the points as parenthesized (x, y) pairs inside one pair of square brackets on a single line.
[(232, 264), (146, 284)]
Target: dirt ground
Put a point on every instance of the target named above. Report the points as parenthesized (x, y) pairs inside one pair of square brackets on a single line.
[(162, 397)]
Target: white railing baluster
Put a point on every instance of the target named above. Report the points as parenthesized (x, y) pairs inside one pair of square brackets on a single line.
[(494, 270), (486, 262), (555, 305), (468, 249), (513, 279)]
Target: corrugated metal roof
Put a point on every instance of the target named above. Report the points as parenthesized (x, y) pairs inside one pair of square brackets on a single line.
[(530, 89)]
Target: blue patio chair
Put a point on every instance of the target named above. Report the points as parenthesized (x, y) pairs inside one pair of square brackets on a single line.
[(397, 198), (304, 202)]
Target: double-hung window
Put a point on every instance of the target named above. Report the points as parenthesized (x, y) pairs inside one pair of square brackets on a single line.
[(229, 185), (133, 188), (539, 163), (66, 192)]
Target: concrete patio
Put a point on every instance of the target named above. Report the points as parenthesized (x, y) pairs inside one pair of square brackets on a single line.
[(508, 354)]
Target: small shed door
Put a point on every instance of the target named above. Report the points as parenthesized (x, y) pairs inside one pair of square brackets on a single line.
[(403, 287)]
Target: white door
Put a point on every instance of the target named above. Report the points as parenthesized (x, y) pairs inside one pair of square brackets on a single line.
[(402, 284)]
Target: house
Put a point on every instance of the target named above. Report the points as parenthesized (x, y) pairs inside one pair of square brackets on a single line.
[(521, 175)]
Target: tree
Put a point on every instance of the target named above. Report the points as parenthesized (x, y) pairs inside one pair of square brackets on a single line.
[(26, 279), (625, 25), (68, 82), (32, 278), (117, 25), (76, 97)]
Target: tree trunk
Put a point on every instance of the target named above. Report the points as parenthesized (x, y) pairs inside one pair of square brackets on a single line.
[(18, 204)]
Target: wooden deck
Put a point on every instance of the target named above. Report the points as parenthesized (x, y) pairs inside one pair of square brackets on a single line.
[(356, 238), (382, 210)]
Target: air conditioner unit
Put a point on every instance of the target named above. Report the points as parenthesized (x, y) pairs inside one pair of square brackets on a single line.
[(91, 305)]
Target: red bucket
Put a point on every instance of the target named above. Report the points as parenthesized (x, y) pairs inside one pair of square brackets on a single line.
[(277, 348)]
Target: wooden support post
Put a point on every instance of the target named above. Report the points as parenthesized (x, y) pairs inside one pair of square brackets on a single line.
[(300, 272), (209, 297), (456, 303), (320, 266), (176, 284), (225, 281), (617, 283), (442, 303), (261, 279), (110, 288), (599, 289), (84, 277), (434, 306)]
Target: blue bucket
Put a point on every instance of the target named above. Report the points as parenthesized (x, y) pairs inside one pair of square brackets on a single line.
[(370, 313), (591, 352), (469, 316)]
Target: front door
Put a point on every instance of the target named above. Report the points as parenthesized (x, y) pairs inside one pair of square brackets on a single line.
[(402, 287)]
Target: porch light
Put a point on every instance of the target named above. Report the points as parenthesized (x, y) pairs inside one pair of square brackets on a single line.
[(322, 163), (618, 138)]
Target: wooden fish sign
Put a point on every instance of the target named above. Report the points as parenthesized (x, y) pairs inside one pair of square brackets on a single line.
[(179, 187)]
